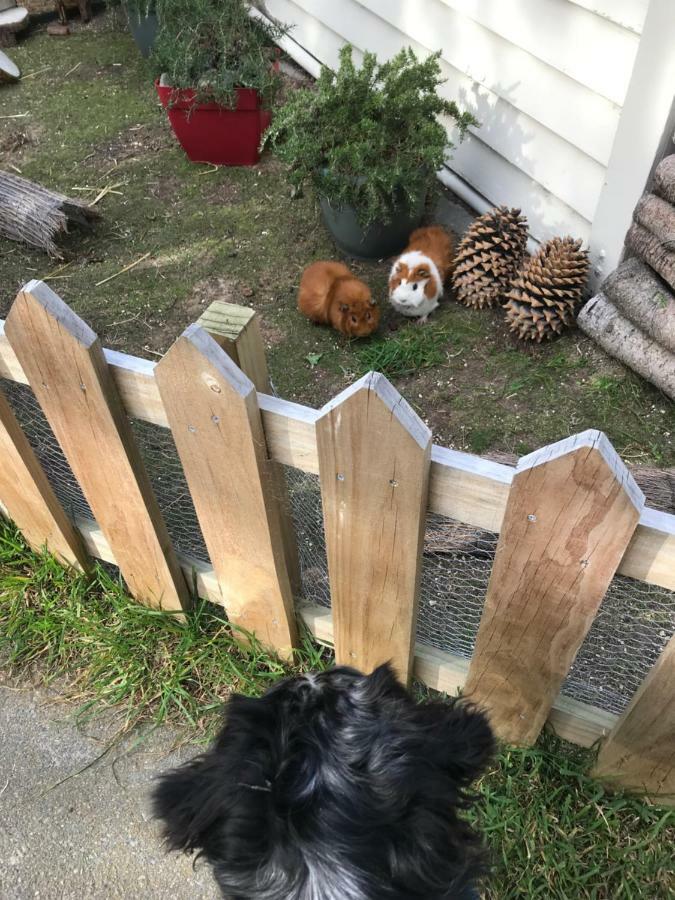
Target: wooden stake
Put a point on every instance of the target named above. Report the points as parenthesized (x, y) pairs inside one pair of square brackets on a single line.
[(29, 498), (374, 459), (213, 411), (237, 330), (67, 370), (571, 512), (639, 754)]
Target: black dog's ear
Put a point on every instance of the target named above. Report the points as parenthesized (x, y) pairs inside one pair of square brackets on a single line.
[(198, 802), (383, 683), (187, 801), (459, 737)]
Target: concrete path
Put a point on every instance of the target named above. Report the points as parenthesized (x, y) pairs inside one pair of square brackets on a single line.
[(91, 835)]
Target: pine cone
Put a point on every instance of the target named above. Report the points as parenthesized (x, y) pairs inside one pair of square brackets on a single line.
[(548, 289), (488, 257)]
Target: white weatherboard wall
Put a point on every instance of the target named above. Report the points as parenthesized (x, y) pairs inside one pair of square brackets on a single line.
[(547, 78)]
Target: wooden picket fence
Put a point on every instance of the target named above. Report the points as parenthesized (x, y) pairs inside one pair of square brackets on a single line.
[(569, 517)]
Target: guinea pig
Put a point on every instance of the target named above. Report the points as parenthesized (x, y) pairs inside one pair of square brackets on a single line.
[(331, 295), (419, 274)]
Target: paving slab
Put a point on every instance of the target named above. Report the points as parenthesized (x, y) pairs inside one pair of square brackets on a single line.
[(75, 820)]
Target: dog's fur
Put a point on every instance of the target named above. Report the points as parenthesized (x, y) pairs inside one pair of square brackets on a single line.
[(334, 786), (418, 276), (331, 295)]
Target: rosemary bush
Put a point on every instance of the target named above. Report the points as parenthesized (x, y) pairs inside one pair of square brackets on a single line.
[(215, 47), (368, 137)]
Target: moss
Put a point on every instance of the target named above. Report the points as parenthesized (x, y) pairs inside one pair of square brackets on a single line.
[(93, 120)]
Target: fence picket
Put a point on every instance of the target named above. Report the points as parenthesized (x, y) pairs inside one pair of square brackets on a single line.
[(66, 368), (213, 411), (639, 753), (29, 498), (237, 330), (570, 515), (374, 461)]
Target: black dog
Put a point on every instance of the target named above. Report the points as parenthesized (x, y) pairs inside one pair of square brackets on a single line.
[(336, 786)]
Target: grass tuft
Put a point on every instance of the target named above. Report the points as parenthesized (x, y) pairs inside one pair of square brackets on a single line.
[(555, 833), (405, 352)]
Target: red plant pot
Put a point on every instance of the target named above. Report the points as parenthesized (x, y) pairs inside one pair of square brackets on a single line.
[(211, 133)]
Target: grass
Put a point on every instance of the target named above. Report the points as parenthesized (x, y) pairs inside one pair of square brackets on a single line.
[(555, 833), (406, 352), (89, 118), (109, 651)]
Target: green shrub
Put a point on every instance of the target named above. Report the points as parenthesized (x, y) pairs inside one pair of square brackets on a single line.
[(215, 47), (366, 137)]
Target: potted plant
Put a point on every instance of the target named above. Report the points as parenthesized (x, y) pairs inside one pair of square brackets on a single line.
[(218, 77), (368, 139), (143, 24)]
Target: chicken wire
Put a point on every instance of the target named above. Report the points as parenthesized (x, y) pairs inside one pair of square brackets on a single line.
[(632, 627)]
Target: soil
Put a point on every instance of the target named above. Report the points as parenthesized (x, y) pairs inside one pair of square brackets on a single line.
[(92, 120)]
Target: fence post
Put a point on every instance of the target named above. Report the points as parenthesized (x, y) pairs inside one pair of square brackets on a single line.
[(213, 411), (29, 498), (571, 512), (639, 753), (66, 368), (374, 460), (236, 329)]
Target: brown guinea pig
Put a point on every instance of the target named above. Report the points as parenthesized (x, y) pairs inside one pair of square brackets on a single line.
[(331, 295)]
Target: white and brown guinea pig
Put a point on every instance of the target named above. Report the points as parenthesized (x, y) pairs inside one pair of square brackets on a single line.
[(419, 274)]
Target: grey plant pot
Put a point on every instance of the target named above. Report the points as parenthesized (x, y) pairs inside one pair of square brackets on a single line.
[(143, 29), (378, 240)]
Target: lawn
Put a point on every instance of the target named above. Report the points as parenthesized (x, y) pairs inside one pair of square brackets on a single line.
[(554, 832), (86, 117)]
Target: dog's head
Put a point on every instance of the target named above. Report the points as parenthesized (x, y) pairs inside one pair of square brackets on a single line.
[(358, 313), (334, 786)]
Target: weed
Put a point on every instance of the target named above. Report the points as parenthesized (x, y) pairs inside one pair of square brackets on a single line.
[(313, 359)]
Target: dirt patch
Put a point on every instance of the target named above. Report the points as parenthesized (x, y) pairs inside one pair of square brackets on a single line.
[(165, 188), (217, 287), (269, 165), (163, 330), (226, 194), (17, 139), (272, 335), (137, 141)]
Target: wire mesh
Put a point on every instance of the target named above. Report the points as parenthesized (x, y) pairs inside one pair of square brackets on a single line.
[(164, 467), (41, 438), (634, 623), (633, 626)]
